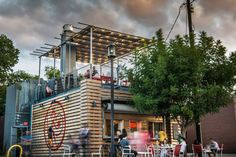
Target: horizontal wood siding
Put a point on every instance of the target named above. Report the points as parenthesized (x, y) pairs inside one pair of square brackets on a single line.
[(78, 110)]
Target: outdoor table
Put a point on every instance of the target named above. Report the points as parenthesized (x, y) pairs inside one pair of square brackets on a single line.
[(206, 151), (145, 154), (168, 149)]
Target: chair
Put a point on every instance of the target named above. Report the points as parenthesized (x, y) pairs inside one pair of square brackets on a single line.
[(67, 150), (150, 151), (156, 150), (99, 153), (197, 149), (126, 152), (221, 149), (177, 150)]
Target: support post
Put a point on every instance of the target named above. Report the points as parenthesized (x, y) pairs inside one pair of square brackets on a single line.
[(118, 72), (54, 64), (39, 83), (91, 52), (112, 111), (69, 71), (54, 71), (39, 69), (190, 26), (197, 123)]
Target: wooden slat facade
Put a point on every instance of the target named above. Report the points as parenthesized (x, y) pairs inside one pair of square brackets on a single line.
[(78, 110)]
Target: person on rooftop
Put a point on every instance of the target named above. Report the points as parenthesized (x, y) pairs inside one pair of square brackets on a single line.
[(94, 72)]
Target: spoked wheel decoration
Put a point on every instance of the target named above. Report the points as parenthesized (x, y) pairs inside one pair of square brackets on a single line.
[(56, 118)]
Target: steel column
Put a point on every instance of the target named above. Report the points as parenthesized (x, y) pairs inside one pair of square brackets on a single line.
[(112, 111)]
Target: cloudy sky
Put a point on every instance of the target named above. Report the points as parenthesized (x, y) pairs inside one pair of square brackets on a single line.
[(31, 23)]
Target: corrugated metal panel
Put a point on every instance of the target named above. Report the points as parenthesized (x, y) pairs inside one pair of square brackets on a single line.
[(1, 131), (10, 112)]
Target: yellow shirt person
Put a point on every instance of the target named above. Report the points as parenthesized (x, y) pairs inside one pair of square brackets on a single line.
[(162, 136)]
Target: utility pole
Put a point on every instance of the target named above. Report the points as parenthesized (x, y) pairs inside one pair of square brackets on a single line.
[(190, 26), (197, 123)]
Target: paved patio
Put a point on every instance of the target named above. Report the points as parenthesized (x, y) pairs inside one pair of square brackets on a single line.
[(229, 155)]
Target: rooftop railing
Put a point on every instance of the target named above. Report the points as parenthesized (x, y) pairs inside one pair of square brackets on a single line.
[(73, 79)]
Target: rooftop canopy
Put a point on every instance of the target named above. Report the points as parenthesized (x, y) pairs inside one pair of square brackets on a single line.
[(97, 38)]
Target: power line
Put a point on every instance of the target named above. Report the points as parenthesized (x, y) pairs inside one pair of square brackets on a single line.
[(180, 8)]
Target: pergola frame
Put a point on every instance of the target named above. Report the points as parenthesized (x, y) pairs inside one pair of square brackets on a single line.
[(91, 44)]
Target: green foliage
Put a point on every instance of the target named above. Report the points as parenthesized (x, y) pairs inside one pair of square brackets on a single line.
[(8, 57), (49, 72), (185, 81), (2, 99), (19, 76)]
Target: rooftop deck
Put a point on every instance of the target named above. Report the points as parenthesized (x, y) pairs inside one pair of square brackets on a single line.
[(83, 55)]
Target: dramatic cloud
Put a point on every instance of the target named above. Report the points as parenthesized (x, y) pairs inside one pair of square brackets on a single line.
[(31, 23), (147, 12)]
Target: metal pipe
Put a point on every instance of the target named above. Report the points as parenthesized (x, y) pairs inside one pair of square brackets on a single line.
[(39, 69), (69, 71), (41, 50), (54, 65), (38, 52), (50, 45), (69, 57), (112, 111), (48, 48), (34, 54), (31, 118), (57, 38), (13, 146)]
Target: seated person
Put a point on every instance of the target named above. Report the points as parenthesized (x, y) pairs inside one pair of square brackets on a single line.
[(124, 143), (164, 151), (119, 136), (74, 143), (214, 147), (183, 146), (94, 71), (87, 74), (48, 90)]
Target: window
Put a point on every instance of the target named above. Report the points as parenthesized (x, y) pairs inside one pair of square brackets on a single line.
[(154, 128), (175, 129), (118, 125), (133, 125)]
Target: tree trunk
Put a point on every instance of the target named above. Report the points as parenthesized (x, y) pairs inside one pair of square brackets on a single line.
[(168, 127), (183, 131), (198, 130)]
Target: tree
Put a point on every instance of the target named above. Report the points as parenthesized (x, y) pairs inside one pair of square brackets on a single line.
[(2, 99), (8, 57), (49, 72), (186, 82)]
